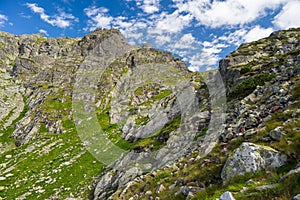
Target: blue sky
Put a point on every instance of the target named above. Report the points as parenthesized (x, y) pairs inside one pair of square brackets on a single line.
[(199, 31)]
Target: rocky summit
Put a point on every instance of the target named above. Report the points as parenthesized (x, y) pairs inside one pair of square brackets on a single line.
[(98, 118)]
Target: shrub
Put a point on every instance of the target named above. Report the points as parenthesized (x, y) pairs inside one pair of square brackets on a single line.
[(247, 86)]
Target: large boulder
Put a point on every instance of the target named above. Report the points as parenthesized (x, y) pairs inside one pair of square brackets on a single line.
[(251, 158)]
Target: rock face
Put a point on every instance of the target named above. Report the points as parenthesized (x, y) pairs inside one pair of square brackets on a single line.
[(277, 133), (251, 158), (98, 118)]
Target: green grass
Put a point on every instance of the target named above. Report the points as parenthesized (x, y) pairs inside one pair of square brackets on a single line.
[(142, 120), (28, 168), (202, 133), (32, 166), (11, 112), (247, 86), (161, 176), (44, 85), (114, 133), (43, 160), (43, 128), (40, 40), (112, 130), (161, 95), (6, 133), (296, 94)]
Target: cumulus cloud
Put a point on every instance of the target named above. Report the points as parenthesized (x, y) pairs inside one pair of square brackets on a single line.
[(203, 60), (163, 39), (187, 41), (61, 20), (3, 19), (231, 12), (98, 17), (133, 29), (209, 51), (257, 33), (171, 23), (150, 6), (289, 16)]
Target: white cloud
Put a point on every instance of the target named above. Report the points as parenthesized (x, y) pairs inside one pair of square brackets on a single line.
[(98, 17), (231, 12), (102, 21), (61, 20), (162, 39), (34, 7), (3, 19), (133, 29), (233, 38), (257, 33), (150, 6), (244, 35), (93, 10), (289, 16), (187, 41), (122, 23), (203, 60), (209, 52), (43, 32), (171, 23)]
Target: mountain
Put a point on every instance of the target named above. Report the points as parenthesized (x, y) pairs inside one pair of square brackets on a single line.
[(98, 118)]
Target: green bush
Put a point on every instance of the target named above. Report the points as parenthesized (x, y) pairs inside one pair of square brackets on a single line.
[(245, 69), (249, 85)]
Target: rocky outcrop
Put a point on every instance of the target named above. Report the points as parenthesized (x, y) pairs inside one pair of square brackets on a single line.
[(266, 55), (251, 158)]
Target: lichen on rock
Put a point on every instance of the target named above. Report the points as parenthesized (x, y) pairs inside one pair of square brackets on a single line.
[(251, 158)]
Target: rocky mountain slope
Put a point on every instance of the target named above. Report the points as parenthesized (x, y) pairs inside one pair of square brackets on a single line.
[(97, 118)]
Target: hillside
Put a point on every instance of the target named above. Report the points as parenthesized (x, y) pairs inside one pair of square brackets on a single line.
[(98, 118)]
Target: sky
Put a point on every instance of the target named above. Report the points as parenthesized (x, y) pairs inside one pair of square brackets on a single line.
[(201, 32)]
